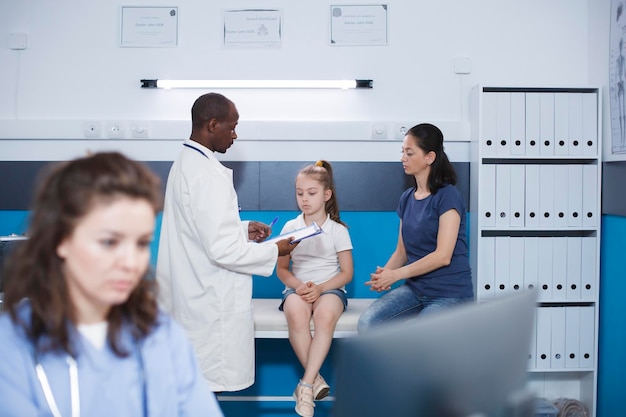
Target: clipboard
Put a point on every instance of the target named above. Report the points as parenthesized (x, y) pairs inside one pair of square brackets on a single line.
[(299, 234)]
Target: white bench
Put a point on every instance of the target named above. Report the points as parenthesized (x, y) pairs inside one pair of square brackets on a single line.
[(270, 322)]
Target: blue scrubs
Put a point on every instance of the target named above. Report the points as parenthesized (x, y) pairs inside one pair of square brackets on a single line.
[(164, 380)]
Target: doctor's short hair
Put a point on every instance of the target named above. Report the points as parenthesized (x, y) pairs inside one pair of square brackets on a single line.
[(209, 106), (68, 192)]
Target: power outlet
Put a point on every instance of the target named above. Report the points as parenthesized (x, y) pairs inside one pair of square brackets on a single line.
[(379, 131), (92, 129), (115, 130), (400, 130)]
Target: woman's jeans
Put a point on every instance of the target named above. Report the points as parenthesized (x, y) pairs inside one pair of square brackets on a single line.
[(402, 303)]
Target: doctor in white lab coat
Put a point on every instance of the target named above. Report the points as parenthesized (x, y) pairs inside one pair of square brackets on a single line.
[(207, 255)]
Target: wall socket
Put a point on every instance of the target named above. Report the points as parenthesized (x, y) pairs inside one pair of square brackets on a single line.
[(92, 129), (400, 129), (115, 130)]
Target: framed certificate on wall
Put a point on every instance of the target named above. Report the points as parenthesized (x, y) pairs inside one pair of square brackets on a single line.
[(149, 27), (358, 24)]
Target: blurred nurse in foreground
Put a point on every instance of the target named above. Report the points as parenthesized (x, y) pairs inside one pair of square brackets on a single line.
[(83, 334)]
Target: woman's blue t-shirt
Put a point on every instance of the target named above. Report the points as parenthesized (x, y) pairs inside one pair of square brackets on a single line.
[(420, 225)]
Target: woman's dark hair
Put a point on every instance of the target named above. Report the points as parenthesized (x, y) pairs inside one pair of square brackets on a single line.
[(66, 195), (322, 171), (429, 138)]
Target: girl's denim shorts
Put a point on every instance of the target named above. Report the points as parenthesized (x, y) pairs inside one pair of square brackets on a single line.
[(339, 293)]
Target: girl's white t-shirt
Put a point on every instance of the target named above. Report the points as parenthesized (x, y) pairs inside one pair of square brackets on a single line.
[(315, 259)]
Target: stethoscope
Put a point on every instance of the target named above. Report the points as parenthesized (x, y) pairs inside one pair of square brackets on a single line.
[(74, 390), (47, 391), (201, 152), (196, 149)]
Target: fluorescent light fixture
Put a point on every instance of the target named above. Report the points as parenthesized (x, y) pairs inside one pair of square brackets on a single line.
[(208, 84)]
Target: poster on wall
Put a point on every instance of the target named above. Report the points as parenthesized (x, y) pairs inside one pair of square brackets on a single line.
[(617, 77), (358, 24), (252, 28), (149, 27)]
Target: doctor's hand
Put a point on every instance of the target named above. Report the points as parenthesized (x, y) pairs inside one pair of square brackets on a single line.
[(258, 231), (285, 246)]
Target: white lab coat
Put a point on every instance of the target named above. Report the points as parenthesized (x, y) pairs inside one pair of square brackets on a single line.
[(204, 267)]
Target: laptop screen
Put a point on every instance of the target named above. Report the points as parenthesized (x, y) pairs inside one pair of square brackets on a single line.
[(469, 360)]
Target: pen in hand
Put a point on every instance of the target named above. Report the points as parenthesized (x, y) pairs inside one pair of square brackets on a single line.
[(273, 222)]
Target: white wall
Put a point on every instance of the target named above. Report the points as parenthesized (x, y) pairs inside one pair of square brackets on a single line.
[(74, 71)]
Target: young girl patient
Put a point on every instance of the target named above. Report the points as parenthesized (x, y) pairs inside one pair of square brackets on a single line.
[(321, 266)]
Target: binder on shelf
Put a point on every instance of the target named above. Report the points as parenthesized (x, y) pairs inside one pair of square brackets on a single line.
[(486, 264), (574, 266), (561, 124), (590, 124), (590, 195), (299, 234), (518, 123), (544, 337), (531, 262), (587, 337), (572, 337), (532, 349), (588, 259), (544, 275), (517, 195), (546, 195), (546, 130), (575, 195), (489, 117), (533, 117), (557, 346), (503, 195), (502, 266), (532, 184), (575, 123), (503, 124), (516, 264), (561, 198), (559, 267), (487, 196)]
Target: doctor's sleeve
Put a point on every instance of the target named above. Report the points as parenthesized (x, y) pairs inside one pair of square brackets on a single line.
[(221, 231)]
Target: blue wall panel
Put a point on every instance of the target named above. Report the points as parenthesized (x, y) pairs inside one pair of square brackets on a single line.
[(374, 236), (612, 336), (13, 221)]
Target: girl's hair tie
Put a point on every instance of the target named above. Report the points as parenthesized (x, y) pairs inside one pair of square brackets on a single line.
[(319, 164)]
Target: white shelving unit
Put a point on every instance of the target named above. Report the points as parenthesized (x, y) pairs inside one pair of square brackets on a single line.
[(535, 223)]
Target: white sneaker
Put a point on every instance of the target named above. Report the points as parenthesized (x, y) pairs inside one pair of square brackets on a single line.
[(304, 400), (320, 388)]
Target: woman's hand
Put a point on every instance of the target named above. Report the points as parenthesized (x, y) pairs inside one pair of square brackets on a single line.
[(382, 279)]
